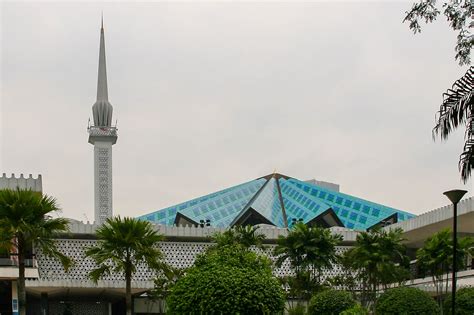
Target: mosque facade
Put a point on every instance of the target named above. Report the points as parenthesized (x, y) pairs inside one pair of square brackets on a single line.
[(274, 202)]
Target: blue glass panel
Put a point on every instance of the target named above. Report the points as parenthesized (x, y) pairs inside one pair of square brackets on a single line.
[(372, 212), (305, 206), (210, 206), (268, 203)]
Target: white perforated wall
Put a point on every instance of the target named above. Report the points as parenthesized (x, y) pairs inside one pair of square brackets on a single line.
[(102, 181), (177, 254)]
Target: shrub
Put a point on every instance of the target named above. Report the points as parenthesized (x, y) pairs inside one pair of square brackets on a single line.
[(227, 280), (406, 301), (356, 310), (298, 309), (330, 302), (464, 302)]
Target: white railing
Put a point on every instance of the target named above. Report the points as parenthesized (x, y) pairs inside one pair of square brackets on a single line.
[(102, 131)]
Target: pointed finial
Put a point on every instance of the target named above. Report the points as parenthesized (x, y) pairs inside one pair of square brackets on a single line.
[(102, 20), (102, 80)]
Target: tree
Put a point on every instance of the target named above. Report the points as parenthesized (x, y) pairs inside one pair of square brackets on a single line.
[(26, 222), (458, 109), (379, 258), (436, 258), (308, 249), (459, 14), (122, 244), (163, 284), (229, 279), (464, 302), (330, 302), (458, 102), (245, 236), (407, 301)]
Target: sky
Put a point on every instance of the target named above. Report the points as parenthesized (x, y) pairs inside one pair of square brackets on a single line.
[(208, 95)]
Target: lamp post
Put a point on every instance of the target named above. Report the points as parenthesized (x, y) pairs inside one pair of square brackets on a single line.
[(455, 196)]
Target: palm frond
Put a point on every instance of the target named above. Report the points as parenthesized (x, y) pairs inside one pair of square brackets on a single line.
[(458, 109)]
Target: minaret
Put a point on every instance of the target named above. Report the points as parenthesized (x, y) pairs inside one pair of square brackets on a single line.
[(102, 135)]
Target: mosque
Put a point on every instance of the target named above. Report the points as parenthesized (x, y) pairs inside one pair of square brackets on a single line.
[(274, 202)]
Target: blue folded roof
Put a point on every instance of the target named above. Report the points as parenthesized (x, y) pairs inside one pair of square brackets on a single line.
[(278, 200)]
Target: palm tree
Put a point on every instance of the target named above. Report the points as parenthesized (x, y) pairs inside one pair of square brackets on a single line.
[(123, 243), (379, 257), (309, 250), (436, 258), (245, 236), (458, 109), (26, 222)]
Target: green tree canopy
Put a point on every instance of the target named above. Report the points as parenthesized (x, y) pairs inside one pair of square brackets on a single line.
[(308, 248), (407, 301), (245, 236), (227, 280), (330, 302), (464, 302), (26, 222), (123, 243), (436, 258), (379, 258), (458, 13), (458, 102)]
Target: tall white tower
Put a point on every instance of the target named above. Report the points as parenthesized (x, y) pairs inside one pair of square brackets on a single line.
[(102, 135)]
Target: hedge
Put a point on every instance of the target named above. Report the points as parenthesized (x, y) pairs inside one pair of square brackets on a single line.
[(330, 302), (464, 302), (406, 301), (227, 280)]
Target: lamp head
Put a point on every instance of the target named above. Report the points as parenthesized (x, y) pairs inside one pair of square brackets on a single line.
[(455, 195)]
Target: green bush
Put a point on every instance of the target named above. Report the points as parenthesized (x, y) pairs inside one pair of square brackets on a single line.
[(330, 302), (298, 309), (356, 310), (227, 280), (464, 302), (406, 301)]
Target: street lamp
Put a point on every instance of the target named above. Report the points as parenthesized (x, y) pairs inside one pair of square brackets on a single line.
[(455, 196)]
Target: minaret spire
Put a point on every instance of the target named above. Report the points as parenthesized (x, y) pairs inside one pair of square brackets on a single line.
[(102, 93), (102, 109), (102, 135)]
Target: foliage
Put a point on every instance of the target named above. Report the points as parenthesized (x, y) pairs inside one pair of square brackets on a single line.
[(459, 15), (308, 249), (458, 102), (356, 310), (163, 283), (245, 236), (301, 285), (347, 279), (407, 301), (464, 302), (298, 309), (330, 302), (123, 243), (25, 222), (227, 279), (379, 258), (436, 258), (458, 109)]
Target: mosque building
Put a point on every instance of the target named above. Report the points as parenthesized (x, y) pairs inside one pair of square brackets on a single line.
[(274, 202)]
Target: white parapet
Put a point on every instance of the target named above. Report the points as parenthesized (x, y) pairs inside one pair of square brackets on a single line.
[(13, 182)]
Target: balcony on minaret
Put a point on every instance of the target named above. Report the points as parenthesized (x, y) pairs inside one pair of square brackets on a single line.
[(105, 134)]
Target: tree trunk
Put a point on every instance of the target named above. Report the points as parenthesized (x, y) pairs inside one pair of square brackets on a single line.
[(21, 280), (128, 291)]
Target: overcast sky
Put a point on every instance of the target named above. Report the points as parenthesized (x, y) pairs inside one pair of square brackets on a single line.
[(210, 95)]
